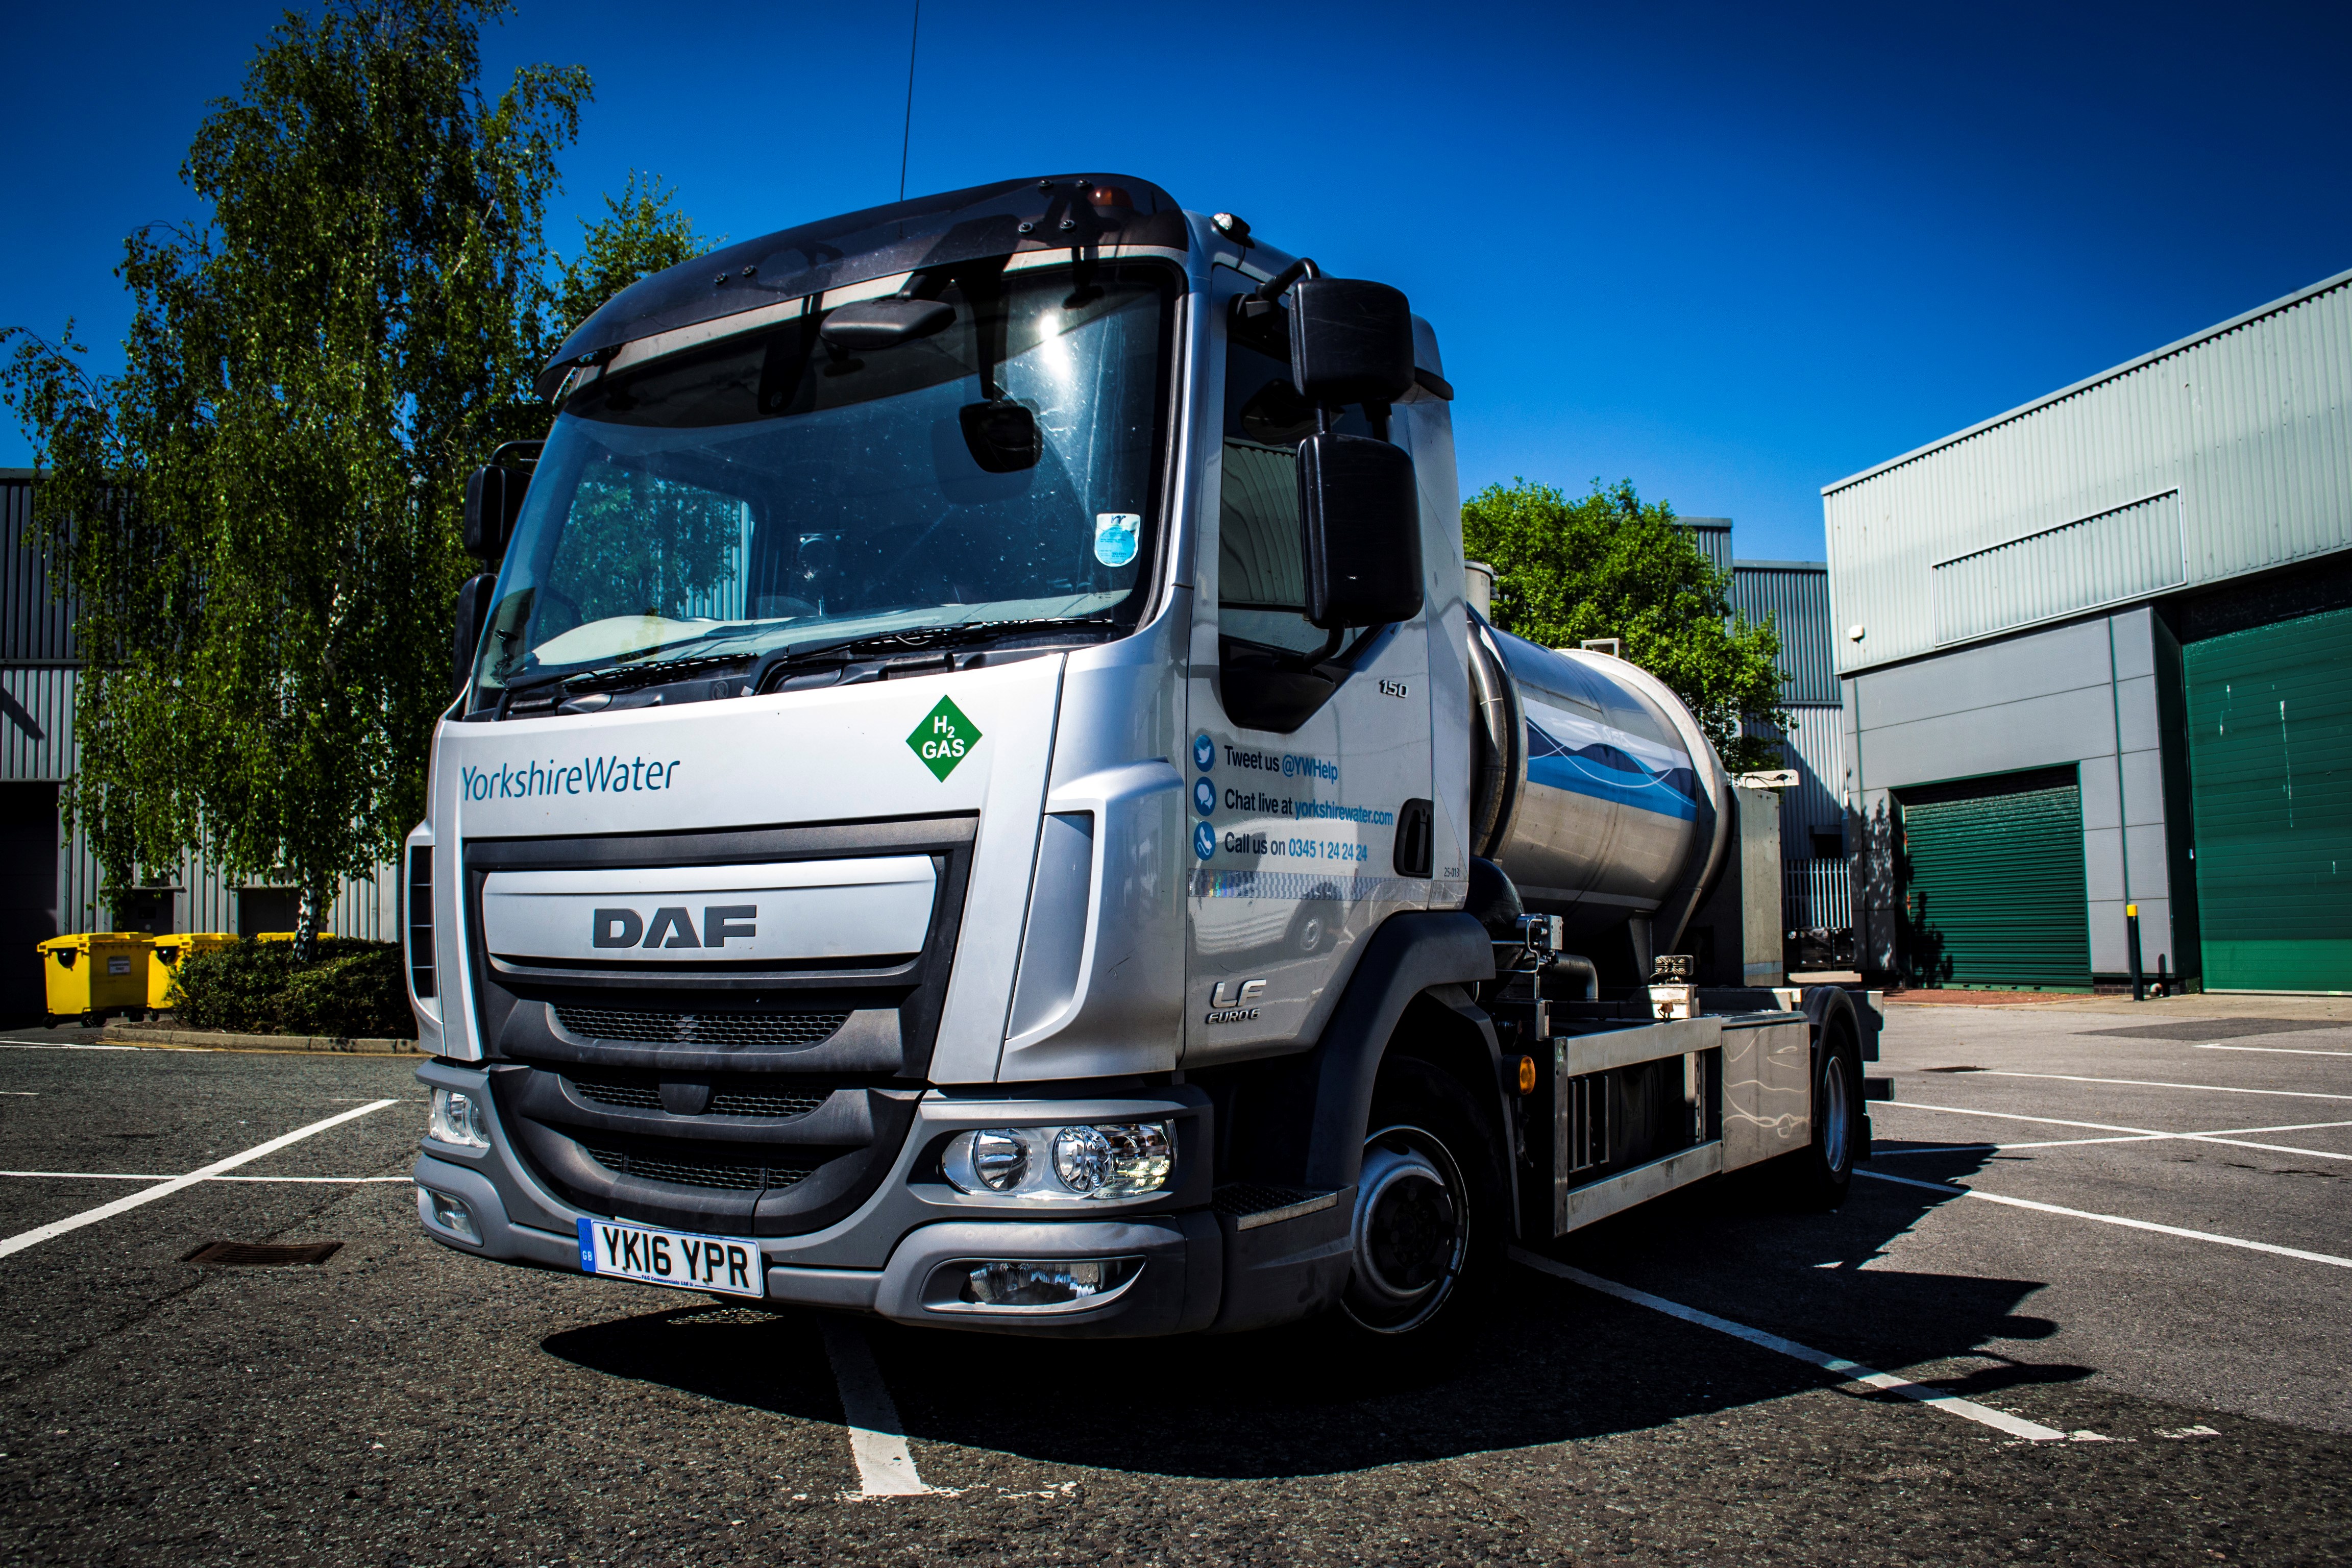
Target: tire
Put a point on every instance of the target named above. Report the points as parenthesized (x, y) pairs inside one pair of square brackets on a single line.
[(1429, 1223), (1820, 1174)]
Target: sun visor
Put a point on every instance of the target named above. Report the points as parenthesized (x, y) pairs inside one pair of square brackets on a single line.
[(1062, 212)]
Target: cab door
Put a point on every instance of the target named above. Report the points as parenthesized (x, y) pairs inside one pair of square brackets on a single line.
[(1306, 759)]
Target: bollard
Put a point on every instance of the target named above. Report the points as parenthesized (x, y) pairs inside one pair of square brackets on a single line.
[(2131, 941)]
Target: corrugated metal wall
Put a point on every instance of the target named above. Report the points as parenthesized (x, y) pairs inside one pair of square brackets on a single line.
[(35, 628), (1815, 741), (1796, 596), (2249, 422), (1713, 537), (2128, 553), (37, 684)]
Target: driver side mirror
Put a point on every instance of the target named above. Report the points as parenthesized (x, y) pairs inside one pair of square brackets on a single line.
[(473, 611), (1359, 521), (494, 497)]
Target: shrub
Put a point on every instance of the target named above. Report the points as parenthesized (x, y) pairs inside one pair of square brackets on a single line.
[(351, 990)]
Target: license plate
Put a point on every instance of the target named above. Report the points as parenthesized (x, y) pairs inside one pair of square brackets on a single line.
[(730, 1266)]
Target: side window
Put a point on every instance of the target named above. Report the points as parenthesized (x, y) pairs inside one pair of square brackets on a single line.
[(1261, 580)]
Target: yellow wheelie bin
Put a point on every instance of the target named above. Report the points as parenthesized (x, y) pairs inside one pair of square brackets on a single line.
[(95, 973), (163, 968)]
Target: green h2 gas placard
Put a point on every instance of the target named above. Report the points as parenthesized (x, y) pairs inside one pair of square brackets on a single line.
[(944, 738)]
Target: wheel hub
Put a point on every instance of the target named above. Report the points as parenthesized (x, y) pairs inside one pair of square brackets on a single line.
[(1411, 1233)]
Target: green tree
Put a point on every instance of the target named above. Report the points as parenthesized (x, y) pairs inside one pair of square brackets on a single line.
[(259, 516), (641, 232), (1614, 565)]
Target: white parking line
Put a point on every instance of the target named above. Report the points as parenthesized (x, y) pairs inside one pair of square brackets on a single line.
[(2113, 1219), (47, 1045), (2138, 1134), (2276, 1050), (131, 1176), (884, 1468), (38, 1234), (1852, 1371), (2154, 1083)]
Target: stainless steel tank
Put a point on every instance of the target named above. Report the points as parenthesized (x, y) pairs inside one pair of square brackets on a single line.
[(1593, 788)]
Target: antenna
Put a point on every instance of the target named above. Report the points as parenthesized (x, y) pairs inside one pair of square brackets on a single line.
[(906, 136)]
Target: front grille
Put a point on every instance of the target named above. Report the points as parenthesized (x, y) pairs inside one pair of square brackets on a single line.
[(692, 1170), (767, 1101), (633, 1095), (729, 1096), (700, 1028)]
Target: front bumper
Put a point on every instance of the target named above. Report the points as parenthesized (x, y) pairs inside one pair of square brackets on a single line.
[(897, 1252)]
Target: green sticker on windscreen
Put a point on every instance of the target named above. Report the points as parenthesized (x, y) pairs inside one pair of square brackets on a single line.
[(944, 738)]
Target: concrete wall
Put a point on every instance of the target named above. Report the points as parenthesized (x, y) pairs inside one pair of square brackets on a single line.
[(2086, 693)]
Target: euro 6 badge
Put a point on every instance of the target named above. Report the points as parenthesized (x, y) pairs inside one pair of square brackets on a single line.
[(944, 738)]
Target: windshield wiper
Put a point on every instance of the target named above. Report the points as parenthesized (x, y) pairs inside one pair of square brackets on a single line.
[(643, 670), (917, 639)]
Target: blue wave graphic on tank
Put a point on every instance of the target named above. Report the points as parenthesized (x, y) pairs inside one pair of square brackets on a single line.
[(1566, 751)]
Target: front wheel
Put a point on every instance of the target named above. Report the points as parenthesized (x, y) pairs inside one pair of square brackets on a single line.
[(1428, 1204)]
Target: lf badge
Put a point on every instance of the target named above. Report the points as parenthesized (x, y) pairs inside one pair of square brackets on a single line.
[(1234, 1002)]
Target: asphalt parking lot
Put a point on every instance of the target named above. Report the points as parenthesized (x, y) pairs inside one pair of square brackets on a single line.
[(2152, 1274)]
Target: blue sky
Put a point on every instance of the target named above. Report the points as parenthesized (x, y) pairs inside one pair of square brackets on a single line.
[(1730, 252)]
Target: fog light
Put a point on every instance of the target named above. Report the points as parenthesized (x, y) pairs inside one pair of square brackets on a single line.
[(450, 1214), (457, 1117), (1047, 1284)]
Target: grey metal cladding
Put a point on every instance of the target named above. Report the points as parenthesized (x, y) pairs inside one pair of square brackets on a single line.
[(2249, 422), (2125, 552), (1796, 596), (36, 628), (1713, 537)]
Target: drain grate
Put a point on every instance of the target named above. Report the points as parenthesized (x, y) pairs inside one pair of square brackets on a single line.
[(262, 1254), (1953, 1070)]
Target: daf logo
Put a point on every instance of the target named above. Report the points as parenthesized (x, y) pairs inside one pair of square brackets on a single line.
[(673, 927), (1234, 1002)]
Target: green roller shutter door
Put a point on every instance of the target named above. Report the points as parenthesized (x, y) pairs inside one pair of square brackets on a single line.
[(1993, 887), (2270, 764)]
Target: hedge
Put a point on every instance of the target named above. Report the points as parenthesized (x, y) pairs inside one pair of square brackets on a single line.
[(351, 990)]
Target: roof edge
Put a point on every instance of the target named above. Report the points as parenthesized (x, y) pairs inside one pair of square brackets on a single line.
[(2288, 301)]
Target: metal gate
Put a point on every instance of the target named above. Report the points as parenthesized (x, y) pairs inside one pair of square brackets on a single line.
[(1993, 889), (2270, 762)]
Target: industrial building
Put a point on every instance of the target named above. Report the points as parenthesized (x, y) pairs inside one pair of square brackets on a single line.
[(2096, 655), (50, 883)]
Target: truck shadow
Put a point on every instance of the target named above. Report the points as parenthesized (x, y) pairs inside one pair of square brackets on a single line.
[(1546, 1361)]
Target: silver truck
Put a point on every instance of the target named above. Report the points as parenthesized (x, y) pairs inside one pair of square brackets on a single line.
[(978, 793)]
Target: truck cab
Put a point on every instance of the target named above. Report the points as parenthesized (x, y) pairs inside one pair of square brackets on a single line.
[(975, 794)]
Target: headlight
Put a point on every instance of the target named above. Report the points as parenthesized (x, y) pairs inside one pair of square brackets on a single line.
[(1063, 1164), (457, 1118)]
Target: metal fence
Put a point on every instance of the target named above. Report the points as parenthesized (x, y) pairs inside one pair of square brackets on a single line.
[(1817, 895)]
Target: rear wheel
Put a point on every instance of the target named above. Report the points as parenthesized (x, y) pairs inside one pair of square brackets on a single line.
[(1821, 1174), (1428, 1204)]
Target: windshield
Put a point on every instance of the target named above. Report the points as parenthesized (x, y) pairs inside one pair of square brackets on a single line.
[(778, 487)]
